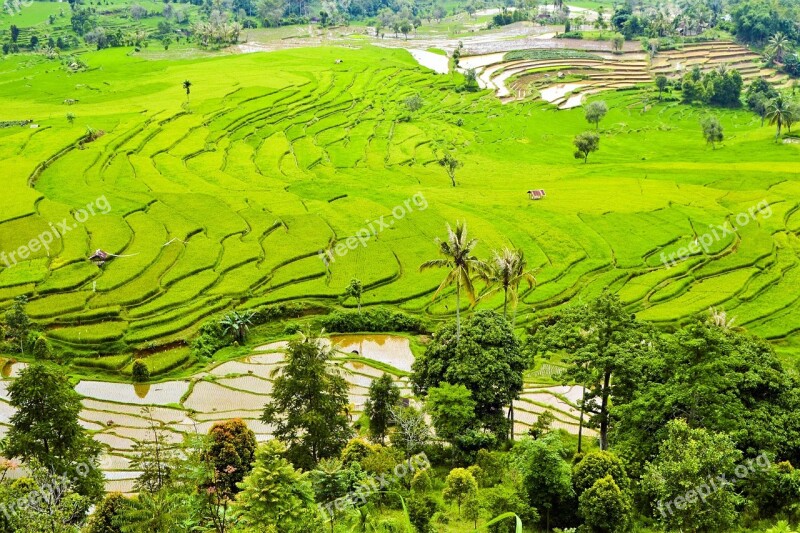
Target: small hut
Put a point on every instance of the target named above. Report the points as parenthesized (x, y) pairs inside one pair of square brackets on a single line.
[(536, 194), (99, 257)]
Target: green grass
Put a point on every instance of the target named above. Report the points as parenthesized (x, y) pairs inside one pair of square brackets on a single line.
[(227, 201)]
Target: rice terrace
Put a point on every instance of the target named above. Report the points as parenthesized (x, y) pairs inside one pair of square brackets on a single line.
[(559, 237)]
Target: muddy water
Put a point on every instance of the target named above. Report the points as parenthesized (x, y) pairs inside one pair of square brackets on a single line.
[(388, 349), (155, 394)]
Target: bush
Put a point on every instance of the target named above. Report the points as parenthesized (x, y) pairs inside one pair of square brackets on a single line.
[(107, 514), (140, 373), (42, 349), (377, 320), (421, 482), (570, 35), (420, 510)]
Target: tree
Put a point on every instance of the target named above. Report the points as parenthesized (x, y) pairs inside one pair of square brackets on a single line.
[(754, 399), (405, 28), (689, 460), (471, 79), (604, 507), (71, 118), (355, 289), (546, 474), (595, 466), (450, 164), (51, 502), (778, 113), (507, 271), (618, 42), (462, 266), (308, 405), (452, 410), (586, 143), (778, 46), (276, 494), (140, 373), (459, 486), (106, 516), (712, 131), (488, 361), (237, 324), (186, 87), (153, 458), (331, 481), (14, 33), (661, 84), (41, 349), (18, 323), (600, 336), (595, 112), (231, 450), (383, 396), (412, 430), (45, 428)]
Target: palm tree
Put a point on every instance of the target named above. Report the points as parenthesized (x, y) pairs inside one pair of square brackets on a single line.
[(507, 272), (463, 266), (778, 113), (238, 324), (186, 85), (778, 46)]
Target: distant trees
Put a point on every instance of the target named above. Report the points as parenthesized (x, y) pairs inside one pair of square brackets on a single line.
[(462, 266), (450, 164), (600, 336), (507, 271), (355, 290), (413, 103), (275, 493), (383, 396), (661, 84), (547, 476), (722, 87), (488, 360), (140, 373), (595, 112), (586, 143), (45, 428), (712, 131), (459, 486), (689, 460), (308, 405)]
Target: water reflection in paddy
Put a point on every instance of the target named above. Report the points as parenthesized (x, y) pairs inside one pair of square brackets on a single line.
[(388, 349)]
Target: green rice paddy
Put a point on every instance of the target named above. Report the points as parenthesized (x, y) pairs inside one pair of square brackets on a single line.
[(225, 200)]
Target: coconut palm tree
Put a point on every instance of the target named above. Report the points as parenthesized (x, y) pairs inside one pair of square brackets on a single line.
[(186, 86), (463, 266), (778, 113), (508, 270), (778, 46)]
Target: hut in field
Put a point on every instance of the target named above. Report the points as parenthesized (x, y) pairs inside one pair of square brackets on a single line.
[(536, 194)]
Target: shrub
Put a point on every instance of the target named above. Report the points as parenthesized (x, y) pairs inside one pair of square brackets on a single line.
[(421, 482), (140, 373), (41, 349), (376, 320), (107, 514)]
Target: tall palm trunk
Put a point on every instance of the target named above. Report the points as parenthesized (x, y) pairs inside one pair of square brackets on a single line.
[(505, 301), (458, 310)]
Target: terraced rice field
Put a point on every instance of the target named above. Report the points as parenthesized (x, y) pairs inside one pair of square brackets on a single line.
[(712, 55), (225, 198), (113, 412), (542, 74)]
